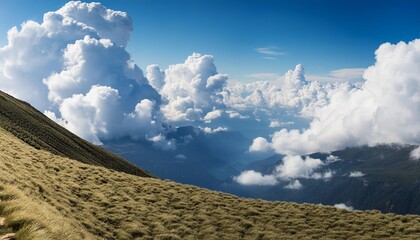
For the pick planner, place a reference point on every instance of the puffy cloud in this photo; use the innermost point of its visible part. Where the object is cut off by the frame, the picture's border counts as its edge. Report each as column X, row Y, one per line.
column 298, row 167
column 74, row 67
column 274, row 124
column 234, row 114
column 99, row 115
column 212, row 115
column 356, row 174
column 343, row 206
column 213, row 130
column 155, row 76
column 291, row 169
column 332, row 158
column 192, row 89
column 415, row 154
column 252, row 177
column 383, row 110
column 260, row 144
column 292, row 91
column 295, row 185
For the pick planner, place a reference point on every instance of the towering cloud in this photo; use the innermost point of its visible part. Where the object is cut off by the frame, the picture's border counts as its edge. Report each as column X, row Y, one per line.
column 384, row 110
column 74, row 66
column 191, row 89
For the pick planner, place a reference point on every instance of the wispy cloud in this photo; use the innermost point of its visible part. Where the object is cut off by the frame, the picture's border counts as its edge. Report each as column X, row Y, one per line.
column 271, row 52
column 351, row 75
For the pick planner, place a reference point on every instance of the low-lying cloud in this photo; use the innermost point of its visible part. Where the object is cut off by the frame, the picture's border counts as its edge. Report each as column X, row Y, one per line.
column 290, row 170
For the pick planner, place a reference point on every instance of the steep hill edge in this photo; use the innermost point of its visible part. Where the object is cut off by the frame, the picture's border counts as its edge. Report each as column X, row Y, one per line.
column 45, row 196
column 37, row 130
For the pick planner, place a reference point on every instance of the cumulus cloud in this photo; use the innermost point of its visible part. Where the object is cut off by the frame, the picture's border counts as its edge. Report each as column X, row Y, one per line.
column 212, row 115
column 155, row 76
column 260, row 144
column 343, row 206
column 209, row 130
column 252, row 177
column 290, row 170
column 295, row 185
column 356, row 174
column 383, row 110
column 74, row 67
column 292, row 91
column 192, row 89
column 415, row 154
column 297, row 167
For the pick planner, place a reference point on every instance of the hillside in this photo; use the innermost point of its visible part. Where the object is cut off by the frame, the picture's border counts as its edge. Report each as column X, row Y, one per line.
column 37, row 130
column 46, row 196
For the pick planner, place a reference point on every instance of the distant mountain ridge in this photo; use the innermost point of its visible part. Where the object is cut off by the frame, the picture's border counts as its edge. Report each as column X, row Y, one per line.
column 37, row 130
column 388, row 180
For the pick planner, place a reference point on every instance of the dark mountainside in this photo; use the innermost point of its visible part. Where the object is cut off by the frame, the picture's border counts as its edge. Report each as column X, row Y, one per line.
column 37, row 130
column 391, row 182
column 201, row 159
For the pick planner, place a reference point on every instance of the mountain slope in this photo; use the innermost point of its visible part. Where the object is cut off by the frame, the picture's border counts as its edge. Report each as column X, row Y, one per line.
column 45, row 196
column 37, row 130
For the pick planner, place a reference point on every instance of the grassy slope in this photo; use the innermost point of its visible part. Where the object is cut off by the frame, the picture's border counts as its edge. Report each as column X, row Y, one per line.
column 45, row 196
column 34, row 128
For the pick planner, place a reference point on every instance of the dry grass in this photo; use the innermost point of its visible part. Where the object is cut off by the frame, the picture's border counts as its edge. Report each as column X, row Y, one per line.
column 58, row 198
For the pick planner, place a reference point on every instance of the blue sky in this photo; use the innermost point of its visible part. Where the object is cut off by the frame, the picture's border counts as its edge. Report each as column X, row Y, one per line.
column 322, row 35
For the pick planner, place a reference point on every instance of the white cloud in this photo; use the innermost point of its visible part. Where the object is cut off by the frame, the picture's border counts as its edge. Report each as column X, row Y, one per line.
column 212, row 115
column 209, row 130
column 274, row 124
column 252, row 177
column 297, row 167
column 192, row 89
column 356, row 174
column 74, row 67
column 234, row 114
column 415, row 154
column 291, row 169
column 343, row 206
column 260, row 145
column 155, row 76
column 384, row 110
column 295, row 185
column 270, row 52
column 332, row 158
column 292, row 91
